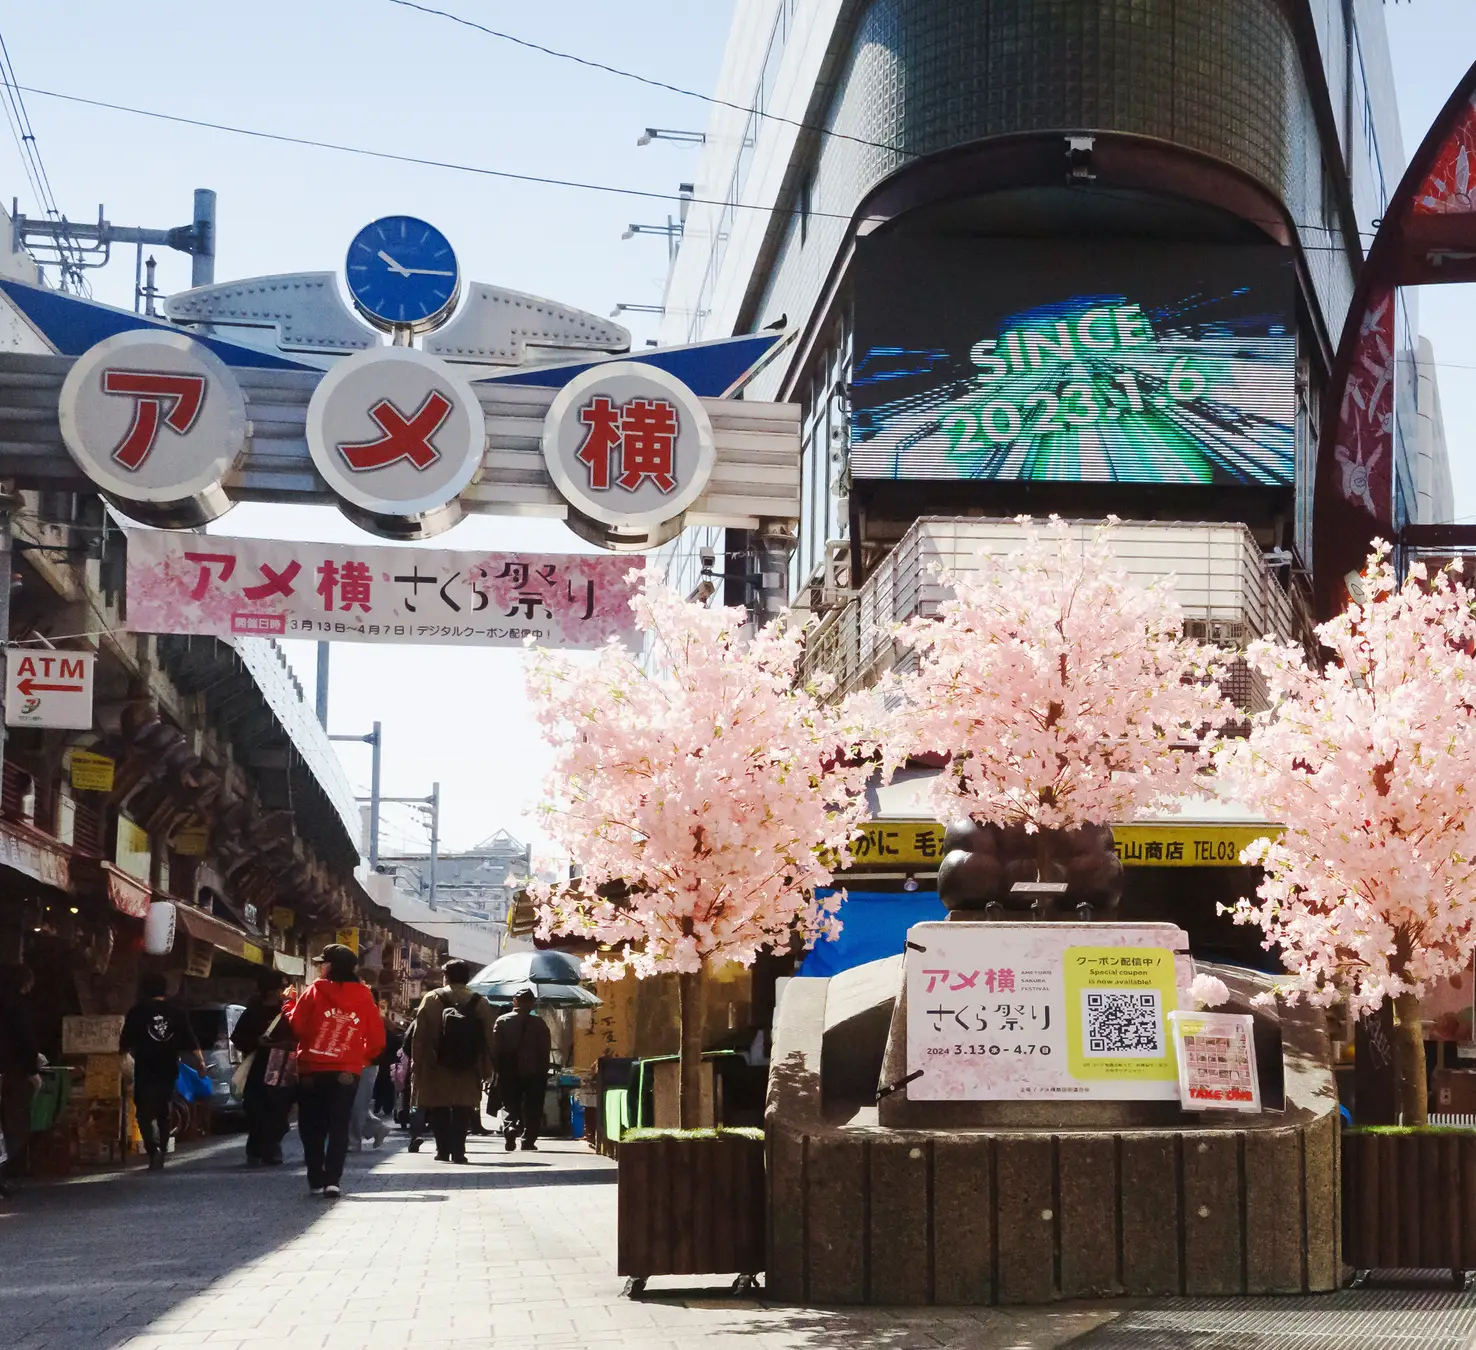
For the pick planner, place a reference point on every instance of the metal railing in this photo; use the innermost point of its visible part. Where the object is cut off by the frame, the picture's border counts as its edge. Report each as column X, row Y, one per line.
column 1227, row 593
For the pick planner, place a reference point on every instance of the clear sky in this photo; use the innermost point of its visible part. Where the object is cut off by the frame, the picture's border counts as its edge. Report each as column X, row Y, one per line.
column 369, row 73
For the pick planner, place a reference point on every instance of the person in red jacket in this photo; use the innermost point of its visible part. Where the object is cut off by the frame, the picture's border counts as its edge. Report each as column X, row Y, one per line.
column 339, row 1032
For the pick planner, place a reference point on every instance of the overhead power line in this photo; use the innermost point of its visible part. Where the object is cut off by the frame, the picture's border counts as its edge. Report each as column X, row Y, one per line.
column 608, row 189
column 34, row 166
column 648, row 81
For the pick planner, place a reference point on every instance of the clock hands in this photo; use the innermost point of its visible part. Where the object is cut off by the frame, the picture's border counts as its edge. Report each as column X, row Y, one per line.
column 404, row 271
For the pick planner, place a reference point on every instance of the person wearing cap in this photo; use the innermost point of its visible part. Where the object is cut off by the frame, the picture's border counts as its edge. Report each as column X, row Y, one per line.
column 339, row 1033
column 522, row 1048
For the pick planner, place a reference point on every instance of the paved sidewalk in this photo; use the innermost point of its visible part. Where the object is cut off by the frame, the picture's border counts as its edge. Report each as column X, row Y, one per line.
column 516, row 1250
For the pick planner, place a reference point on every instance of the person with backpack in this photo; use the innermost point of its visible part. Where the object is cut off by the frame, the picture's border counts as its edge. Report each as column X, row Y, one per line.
column 268, row 1073
column 451, row 1057
column 522, row 1048
column 157, row 1034
column 339, row 1033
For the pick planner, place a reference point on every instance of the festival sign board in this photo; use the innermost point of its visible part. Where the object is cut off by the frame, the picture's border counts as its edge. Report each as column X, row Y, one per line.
column 350, row 593
column 1217, row 1061
column 628, row 445
column 157, row 422
column 397, row 435
column 1040, row 1011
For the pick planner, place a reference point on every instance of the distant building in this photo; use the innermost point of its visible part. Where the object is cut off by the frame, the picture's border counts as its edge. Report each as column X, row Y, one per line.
column 473, row 891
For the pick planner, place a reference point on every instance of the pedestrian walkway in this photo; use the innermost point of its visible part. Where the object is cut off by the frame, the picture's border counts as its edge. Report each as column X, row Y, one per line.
column 517, row 1250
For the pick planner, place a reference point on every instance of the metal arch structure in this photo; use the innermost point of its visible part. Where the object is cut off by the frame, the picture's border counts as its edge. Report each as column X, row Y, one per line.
column 1427, row 237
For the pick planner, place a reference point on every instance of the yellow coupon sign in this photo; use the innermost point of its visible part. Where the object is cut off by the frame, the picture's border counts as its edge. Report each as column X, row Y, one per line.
column 91, row 772
column 1117, row 1005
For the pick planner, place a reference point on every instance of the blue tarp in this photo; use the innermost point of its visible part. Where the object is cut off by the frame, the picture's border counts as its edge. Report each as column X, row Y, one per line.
column 874, row 925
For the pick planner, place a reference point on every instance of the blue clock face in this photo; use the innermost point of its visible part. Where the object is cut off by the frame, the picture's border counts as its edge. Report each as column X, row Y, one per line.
column 402, row 273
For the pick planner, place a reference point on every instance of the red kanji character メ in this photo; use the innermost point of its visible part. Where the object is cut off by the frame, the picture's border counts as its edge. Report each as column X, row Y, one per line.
column 648, row 429
column 275, row 583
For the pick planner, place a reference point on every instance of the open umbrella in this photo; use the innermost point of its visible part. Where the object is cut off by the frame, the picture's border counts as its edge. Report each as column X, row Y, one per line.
column 555, row 975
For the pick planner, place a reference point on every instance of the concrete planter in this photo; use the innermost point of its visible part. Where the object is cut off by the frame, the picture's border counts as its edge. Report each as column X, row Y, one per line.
column 691, row 1205
column 1409, row 1200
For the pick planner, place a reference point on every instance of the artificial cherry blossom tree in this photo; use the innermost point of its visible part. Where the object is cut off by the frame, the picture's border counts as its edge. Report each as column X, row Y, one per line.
column 705, row 795
column 1371, row 765
column 1063, row 692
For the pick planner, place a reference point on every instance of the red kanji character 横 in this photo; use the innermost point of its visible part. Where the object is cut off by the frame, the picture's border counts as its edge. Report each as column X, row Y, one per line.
column 275, row 583
column 353, row 586
column 603, row 419
column 327, row 582
column 225, row 561
column 648, row 428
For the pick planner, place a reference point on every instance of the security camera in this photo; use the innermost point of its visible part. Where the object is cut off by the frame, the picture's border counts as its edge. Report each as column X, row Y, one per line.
column 708, row 558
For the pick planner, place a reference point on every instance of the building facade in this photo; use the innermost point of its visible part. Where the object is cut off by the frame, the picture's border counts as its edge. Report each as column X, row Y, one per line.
column 925, row 191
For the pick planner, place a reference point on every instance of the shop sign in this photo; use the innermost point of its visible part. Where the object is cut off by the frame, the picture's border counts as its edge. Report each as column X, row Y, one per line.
column 134, row 853
column 281, row 917
column 1217, row 1061
column 48, row 866
column 92, row 772
column 1186, row 845
column 898, row 843
column 199, row 959
column 194, row 584
column 348, row 937
column 92, row 1035
column 191, row 839
column 395, row 432
column 1028, row 1012
column 48, row 688
column 628, row 445
column 156, row 421
column 104, row 1076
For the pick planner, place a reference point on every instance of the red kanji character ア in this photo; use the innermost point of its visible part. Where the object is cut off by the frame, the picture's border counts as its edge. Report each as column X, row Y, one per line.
column 648, row 428
column 353, row 586
column 276, row 583
column 152, row 389
column 224, row 561
column 327, row 581
column 602, row 418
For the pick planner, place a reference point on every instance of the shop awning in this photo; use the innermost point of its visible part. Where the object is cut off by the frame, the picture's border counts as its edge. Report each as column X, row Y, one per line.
column 222, row 936
column 35, row 856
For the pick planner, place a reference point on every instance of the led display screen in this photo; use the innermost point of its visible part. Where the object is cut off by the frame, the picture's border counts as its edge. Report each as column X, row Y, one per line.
column 1073, row 362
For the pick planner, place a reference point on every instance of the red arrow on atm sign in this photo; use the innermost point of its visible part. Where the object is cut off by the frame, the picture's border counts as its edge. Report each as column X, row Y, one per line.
column 28, row 687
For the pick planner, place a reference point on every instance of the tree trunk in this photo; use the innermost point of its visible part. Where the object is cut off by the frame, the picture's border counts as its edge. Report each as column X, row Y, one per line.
column 691, row 989
column 1409, row 1060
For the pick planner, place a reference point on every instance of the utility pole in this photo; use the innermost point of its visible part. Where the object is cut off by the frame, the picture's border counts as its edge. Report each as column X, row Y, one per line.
column 322, row 689
column 375, row 739
column 435, row 806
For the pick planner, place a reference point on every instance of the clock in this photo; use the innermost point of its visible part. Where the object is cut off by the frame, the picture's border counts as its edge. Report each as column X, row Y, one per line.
column 402, row 274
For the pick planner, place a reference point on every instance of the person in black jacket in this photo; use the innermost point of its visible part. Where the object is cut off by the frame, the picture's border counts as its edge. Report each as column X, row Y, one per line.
column 522, row 1049
column 157, row 1033
column 20, row 1068
column 262, row 1028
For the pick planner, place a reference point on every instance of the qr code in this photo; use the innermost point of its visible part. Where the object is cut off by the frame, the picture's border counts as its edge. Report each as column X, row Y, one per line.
column 1122, row 1023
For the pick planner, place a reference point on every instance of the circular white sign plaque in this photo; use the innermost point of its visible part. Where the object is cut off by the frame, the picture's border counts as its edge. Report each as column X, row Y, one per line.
column 398, row 436
column 628, row 445
column 157, row 422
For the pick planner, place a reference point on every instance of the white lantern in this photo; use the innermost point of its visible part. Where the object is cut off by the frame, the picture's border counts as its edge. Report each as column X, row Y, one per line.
column 159, row 928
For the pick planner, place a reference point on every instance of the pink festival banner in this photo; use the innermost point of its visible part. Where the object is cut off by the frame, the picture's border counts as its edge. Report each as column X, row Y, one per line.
column 210, row 584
